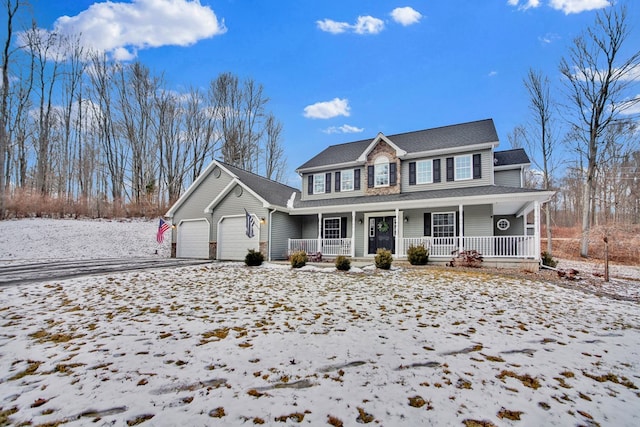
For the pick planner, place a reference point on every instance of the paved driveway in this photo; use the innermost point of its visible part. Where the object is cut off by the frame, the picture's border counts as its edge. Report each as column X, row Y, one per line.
column 19, row 274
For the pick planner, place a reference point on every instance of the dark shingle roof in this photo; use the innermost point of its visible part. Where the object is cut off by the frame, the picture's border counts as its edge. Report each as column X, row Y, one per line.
column 453, row 136
column 486, row 190
column 516, row 156
column 272, row 191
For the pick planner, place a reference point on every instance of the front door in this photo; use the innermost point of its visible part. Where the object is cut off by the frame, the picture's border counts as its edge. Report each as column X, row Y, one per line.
column 381, row 233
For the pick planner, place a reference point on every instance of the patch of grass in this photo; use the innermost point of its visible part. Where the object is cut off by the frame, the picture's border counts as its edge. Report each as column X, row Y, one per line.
column 217, row 413
column 363, row 417
column 297, row 417
column 612, row 378
column 43, row 336
column 510, row 415
column 30, row 370
column 139, row 419
column 5, row 414
column 478, row 423
column 492, row 358
column 255, row 393
column 334, row 421
column 526, row 379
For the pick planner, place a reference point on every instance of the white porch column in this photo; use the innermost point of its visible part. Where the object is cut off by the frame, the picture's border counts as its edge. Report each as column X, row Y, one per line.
column 395, row 232
column 460, row 228
column 319, row 232
column 353, row 234
column 536, row 229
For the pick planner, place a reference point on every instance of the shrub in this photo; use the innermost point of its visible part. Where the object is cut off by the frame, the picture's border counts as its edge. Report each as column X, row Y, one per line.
column 417, row 255
column 343, row 263
column 470, row 258
column 383, row 259
column 548, row 260
column 253, row 258
column 298, row 259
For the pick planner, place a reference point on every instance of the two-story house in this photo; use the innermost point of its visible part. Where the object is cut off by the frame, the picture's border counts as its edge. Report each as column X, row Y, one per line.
column 445, row 188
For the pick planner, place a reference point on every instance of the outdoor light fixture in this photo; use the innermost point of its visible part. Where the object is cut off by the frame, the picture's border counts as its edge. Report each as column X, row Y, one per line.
column 406, row 219
column 262, row 220
column 360, row 221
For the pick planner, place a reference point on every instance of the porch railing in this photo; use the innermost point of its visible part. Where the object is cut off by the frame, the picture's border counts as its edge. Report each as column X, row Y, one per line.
column 328, row 247
column 439, row 247
column 488, row 246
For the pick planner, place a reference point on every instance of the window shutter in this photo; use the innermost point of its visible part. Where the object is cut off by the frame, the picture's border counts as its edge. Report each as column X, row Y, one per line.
column 310, row 186
column 436, row 170
column 392, row 173
column 477, row 167
column 356, row 179
column 427, row 223
column 457, row 227
column 412, row 173
column 343, row 227
column 338, row 182
column 370, row 172
column 327, row 184
column 450, row 169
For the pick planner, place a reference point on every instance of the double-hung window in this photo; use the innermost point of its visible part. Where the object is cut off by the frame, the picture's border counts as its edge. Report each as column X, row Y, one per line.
column 443, row 224
column 462, row 169
column 318, row 183
column 346, row 180
column 381, row 172
column 424, row 172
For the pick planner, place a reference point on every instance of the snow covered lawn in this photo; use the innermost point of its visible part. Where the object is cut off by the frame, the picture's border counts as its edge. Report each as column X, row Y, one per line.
column 226, row 344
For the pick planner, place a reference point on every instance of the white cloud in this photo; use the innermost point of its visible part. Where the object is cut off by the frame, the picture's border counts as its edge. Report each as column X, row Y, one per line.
column 368, row 25
column 631, row 107
column 406, row 16
column 328, row 109
column 333, row 27
column 363, row 25
column 577, row 6
column 548, row 38
column 526, row 4
column 124, row 28
column 343, row 129
column 493, row 73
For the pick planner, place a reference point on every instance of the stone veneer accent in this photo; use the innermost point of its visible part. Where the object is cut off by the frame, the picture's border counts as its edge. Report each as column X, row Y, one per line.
column 213, row 250
column 382, row 149
column 264, row 248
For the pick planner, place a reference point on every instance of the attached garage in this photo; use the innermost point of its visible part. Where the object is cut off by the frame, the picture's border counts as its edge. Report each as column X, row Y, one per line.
column 233, row 242
column 193, row 239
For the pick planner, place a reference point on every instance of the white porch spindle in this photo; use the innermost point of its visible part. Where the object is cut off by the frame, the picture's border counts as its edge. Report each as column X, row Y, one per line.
column 460, row 229
column 536, row 228
column 319, row 232
column 353, row 234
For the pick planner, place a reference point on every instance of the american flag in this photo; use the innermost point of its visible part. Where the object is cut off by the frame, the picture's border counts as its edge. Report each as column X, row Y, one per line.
column 250, row 222
column 164, row 226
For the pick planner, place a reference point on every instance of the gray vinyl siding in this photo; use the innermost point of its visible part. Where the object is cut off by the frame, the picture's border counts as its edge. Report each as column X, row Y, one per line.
column 508, row 178
column 333, row 194
column 414, row 227
column 486, row 160
column 283, row 228
column 477, row 220
column 360, row 230
column 193, row 207
column 232, row 205
column 310, row 227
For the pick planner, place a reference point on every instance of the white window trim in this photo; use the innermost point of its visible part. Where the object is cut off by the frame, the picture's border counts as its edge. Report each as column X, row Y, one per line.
column 343, row 181
column 430, row 175
column 324, row 226
column 317, row 178
column 381, row 161
column 455, row 225
column 455, row 167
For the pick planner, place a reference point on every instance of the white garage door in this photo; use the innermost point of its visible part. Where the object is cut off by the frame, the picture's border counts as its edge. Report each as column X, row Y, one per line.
column 233, row 242
column 193, row 239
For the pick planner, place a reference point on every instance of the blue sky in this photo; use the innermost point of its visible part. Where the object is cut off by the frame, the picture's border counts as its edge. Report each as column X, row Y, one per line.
column 343, row 70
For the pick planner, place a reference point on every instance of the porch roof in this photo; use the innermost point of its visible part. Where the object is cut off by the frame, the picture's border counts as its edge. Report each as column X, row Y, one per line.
column 486, row 194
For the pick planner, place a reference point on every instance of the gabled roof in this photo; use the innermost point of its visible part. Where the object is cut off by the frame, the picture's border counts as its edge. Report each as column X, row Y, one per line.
column 270, row 193
column 273, row 192
column 517, row 156
column 442, row 138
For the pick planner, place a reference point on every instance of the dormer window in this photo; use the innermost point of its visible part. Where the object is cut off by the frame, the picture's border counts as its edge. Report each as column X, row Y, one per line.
column 381, row 172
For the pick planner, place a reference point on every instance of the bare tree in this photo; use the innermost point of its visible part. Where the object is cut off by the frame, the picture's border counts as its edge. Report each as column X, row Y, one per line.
column 540, row 137
column 274, row 158
column 598, row 82
column 11, row 7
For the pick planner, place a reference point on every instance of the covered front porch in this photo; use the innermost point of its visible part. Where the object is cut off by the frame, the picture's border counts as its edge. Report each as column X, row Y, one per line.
column 497, row 231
